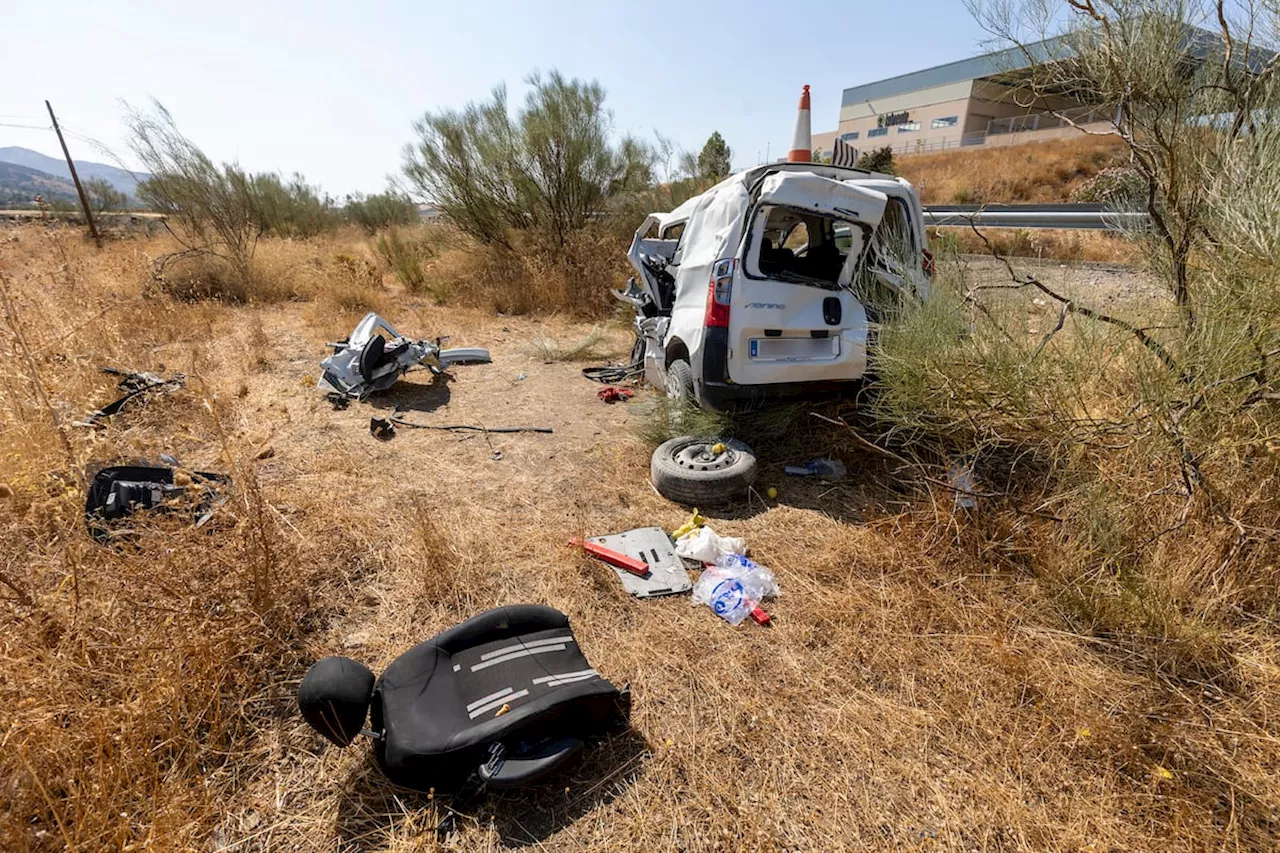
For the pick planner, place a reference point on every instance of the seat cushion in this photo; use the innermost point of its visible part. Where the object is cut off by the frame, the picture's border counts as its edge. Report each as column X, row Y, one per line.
column 514, row 674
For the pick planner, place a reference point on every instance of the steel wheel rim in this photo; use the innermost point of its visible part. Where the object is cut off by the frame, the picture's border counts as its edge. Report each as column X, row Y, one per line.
column 699, row 457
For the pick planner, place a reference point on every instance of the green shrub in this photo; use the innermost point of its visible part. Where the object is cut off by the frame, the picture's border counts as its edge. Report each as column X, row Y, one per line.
column 1118, row 187
column 380, row 210
column 878, row 160
column 103, row 197
column 549, row 168
column 219, row 210
column 292, row 209
column 405, row 254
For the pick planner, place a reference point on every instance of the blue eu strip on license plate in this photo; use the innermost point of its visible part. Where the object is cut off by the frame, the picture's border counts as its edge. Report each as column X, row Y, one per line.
column 755, row 348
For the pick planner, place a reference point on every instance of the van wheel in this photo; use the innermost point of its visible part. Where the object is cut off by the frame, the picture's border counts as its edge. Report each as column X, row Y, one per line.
column 680, row 384
column 680, row 394
column 702, row 471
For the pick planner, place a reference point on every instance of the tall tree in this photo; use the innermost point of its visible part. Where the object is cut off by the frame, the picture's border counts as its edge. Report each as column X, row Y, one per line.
column 713, row 162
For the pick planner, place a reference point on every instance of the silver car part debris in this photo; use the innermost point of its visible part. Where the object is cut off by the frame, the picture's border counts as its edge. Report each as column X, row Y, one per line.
column 375, row 356
column 653, row 546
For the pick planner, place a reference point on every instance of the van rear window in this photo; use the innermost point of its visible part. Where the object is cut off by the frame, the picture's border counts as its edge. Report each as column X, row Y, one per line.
column 800, row 246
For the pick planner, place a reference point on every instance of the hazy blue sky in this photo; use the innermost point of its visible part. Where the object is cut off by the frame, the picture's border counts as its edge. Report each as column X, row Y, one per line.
column 330, row 88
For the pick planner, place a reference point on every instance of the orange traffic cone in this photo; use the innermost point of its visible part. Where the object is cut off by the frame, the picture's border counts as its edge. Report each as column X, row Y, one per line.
column 802, row 142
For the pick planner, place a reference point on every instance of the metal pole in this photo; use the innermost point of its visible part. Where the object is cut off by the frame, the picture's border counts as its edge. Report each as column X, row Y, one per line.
column 84, row 200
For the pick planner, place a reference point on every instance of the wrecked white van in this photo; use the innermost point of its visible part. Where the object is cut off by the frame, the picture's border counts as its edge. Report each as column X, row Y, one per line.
column 773, row 282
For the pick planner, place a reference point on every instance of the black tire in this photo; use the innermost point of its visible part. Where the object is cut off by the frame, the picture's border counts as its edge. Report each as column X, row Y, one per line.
column 680, row 383
column 680, row 393
column 686, row 471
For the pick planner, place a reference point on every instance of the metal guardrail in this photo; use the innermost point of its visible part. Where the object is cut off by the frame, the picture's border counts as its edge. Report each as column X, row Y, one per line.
column 1095, row 217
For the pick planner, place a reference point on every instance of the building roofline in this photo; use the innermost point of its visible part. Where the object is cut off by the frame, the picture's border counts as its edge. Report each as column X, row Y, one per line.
column 1199, row 43
column 972, row 68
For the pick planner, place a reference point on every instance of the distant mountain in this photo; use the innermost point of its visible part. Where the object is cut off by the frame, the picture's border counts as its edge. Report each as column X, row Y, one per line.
column 19, row 185
column 121, row 179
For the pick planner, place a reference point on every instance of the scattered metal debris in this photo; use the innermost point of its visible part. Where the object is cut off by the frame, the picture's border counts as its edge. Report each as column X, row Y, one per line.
column 375, row 356
column 398, row 418
column 823, row 469
column 382, row 429
column 960, row 474
column 649, row 566
column 135, row 385
column 119, row 491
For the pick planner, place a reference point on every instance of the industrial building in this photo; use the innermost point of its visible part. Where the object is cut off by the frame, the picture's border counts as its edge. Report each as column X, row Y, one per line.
column 976, row 101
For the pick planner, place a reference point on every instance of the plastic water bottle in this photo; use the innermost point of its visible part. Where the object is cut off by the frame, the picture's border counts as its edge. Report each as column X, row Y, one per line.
column 733, row 587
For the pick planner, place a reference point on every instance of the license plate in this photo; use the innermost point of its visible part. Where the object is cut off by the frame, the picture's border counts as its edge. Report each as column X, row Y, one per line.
column 795, row 349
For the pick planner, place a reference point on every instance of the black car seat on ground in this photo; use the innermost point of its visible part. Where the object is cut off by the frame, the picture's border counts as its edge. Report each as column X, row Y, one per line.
column 506, row 695
column 119, row 491
column 375, row 354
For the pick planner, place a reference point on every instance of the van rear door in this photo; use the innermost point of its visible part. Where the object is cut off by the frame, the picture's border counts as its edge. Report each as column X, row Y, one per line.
column 792, row 317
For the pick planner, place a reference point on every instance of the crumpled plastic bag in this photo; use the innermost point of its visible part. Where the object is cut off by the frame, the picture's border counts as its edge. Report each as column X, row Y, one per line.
column 705, row 545
column 734, row 587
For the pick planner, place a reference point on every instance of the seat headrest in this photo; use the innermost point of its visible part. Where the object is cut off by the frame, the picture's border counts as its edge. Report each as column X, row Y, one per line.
column 334, row 697
column 371, row 356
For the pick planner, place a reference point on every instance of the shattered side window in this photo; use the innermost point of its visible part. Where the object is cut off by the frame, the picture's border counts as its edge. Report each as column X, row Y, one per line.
column 674, row 232
column 878, row 284
column 891, row 246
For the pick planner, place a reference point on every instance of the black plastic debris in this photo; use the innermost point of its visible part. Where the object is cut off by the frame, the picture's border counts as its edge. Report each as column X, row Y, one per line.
column 135, row 386
column 118, row 492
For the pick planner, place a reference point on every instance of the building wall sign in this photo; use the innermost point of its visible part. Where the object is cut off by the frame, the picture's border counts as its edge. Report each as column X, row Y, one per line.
column 890, row 119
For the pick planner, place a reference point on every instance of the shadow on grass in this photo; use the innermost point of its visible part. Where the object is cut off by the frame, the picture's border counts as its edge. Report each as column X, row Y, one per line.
column 415, row 394
column 372, row 810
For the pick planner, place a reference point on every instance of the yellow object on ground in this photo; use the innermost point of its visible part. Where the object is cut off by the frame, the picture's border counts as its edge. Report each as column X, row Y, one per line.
column 695, row 521
column 771, row 492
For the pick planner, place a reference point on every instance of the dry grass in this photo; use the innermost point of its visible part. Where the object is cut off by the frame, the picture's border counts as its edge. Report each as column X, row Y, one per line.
column 927, row 684
column 594, row 346
column 1040, row 243
column 531, row 278
column 1041, row 172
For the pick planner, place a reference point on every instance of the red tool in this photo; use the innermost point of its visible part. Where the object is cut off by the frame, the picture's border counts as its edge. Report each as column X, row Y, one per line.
column 613, row 558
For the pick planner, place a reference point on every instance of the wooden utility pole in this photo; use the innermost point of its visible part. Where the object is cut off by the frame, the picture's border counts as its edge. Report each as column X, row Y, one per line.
column 84, row 199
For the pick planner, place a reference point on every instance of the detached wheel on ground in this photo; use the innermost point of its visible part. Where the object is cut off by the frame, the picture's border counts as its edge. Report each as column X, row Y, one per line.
column 702, row 471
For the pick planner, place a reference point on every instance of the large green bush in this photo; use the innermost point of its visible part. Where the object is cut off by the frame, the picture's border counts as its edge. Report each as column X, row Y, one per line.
column 551, row 167
column 375, row 212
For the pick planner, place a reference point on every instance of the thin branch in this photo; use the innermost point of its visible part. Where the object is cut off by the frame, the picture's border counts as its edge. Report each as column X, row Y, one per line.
column 1072, row 306
column 1057, row 327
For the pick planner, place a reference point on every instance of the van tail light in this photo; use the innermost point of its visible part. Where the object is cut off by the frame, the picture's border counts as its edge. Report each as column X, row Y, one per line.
column 926, row 262
column 719, row 290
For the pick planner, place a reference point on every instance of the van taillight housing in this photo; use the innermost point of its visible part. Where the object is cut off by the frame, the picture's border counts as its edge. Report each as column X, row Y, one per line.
column 926, row 262
column 719, row 290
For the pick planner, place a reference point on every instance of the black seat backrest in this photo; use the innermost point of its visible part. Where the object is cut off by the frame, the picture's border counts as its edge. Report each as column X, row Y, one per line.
column 513, row 674
column 371, row 357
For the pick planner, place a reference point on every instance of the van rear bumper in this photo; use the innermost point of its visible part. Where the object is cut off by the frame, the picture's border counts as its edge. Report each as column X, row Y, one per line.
column 717, row 393
column 727, row 397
